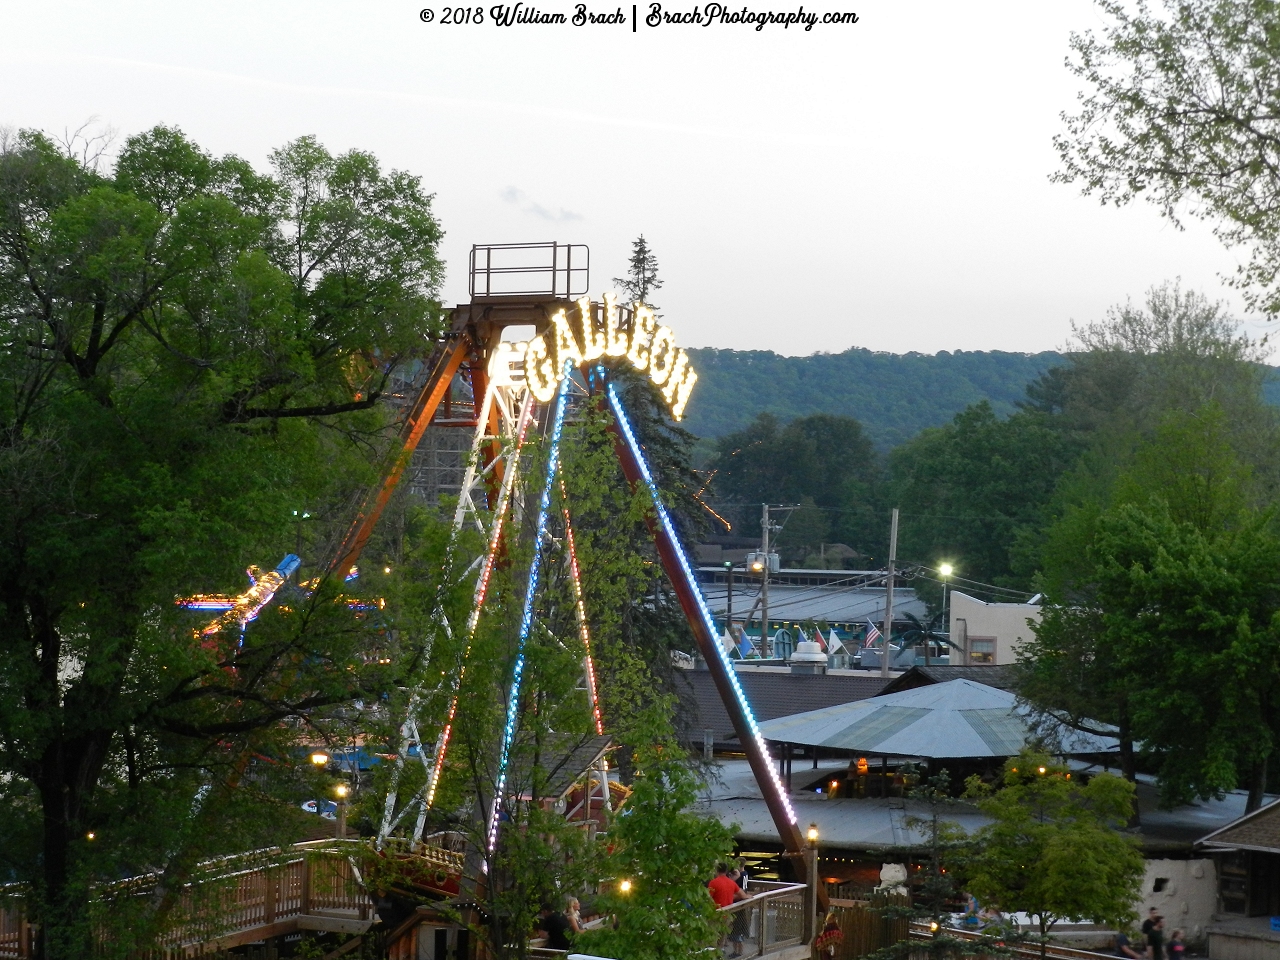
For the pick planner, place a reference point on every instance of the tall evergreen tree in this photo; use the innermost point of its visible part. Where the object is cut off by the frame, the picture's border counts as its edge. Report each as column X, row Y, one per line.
column 642, row 274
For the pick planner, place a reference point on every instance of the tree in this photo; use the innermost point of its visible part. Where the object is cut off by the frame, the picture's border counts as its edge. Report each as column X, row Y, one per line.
column 966, row 490
column 642, row 274
column 937, row 883
column 1053, row 849
column 825, row 458
column 1194, row 619
column 1163, row 602
column 1182, row 108
column 1175, row 353
column 667, row 853
column 193, row 352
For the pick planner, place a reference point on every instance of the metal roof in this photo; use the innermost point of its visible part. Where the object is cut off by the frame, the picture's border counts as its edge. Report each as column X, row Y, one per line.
column 959, row 718
column 771, row 695
column 831, row 602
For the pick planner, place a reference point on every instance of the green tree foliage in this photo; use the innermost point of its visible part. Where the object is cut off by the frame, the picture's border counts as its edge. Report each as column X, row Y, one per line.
column 1180, row 108
column 1176, row 353
column 1193, row 618
column 1164, row 596
column 636, row 620
column 1053, row 849
column 642, row 274
column 937, row 881
column 969, row 489
column 194, row 351
column 822, row 462
column 894, row 396
column 668, row 852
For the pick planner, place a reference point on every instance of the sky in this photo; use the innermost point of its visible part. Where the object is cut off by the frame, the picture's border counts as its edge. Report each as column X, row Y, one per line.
column 882, row 184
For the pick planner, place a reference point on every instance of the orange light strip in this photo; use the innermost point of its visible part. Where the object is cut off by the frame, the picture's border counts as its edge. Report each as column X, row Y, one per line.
column 583, row 631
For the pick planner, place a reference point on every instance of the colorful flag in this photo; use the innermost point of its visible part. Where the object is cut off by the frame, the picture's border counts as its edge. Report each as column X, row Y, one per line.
column 873, row 634
column 744, row 644
column 817, row 638
column 834, row 643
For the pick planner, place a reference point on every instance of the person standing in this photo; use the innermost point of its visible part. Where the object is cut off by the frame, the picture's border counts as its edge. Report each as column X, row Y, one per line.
column 1155, row 940
column 1147, row 924
column 724, row 891
column 1176, row 948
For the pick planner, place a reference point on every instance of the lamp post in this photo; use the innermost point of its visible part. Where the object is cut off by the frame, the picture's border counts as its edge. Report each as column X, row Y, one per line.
column 811, row 893
column 765, row 646
column 945, row 570
column 760, row 565
column 341, row 790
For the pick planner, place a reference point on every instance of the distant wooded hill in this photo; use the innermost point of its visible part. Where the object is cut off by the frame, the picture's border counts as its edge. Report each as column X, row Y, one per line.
column 894, row 395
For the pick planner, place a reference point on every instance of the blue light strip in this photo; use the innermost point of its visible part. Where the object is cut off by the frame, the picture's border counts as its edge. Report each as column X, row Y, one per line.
column 664, row 518
column 526, row 619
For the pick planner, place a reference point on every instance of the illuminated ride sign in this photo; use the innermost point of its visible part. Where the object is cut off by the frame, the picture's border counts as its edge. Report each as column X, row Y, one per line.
column 597, row 330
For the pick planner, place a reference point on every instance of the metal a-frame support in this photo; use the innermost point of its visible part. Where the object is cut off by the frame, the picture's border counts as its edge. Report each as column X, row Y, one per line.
column 503, row 413
column 680, row 573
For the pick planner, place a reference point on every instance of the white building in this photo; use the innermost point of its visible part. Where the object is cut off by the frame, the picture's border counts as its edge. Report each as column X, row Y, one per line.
column 989, row 633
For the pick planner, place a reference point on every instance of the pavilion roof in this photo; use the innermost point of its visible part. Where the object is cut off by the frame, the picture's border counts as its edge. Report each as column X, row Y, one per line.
column 959, row 718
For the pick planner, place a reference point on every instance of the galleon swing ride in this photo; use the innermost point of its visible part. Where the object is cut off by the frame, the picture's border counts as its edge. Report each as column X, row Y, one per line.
column 515, row 387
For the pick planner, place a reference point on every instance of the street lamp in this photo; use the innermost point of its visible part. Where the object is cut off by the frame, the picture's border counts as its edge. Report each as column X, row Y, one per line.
column 624, row 886
column 811, row 882
column 319, row 758
column 945, row 570
column 341, row 790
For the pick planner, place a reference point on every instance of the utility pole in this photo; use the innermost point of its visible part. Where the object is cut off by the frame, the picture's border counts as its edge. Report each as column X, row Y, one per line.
column 888, row 595
column 728, row 612
column 765, row 643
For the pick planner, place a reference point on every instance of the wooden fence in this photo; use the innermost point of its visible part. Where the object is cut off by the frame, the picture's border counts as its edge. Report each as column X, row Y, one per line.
column 865, row 927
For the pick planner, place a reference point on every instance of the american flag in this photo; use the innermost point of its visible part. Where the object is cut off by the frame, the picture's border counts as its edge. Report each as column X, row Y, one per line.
column 873, row 634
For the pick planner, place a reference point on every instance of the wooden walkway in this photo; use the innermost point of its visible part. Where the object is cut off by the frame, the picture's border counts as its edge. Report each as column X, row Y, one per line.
column 246, row 898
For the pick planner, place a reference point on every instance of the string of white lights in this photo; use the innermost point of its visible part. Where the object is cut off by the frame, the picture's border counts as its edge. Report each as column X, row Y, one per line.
column 624, row 424
column 526, row 618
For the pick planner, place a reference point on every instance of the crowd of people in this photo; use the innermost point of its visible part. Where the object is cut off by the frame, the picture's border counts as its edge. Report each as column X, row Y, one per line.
column 1153, row 944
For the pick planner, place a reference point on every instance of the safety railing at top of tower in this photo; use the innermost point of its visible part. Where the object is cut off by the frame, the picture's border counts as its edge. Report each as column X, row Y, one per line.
column 529, row 270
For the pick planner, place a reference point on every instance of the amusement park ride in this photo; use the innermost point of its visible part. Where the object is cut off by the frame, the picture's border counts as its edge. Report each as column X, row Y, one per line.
column 517, row 388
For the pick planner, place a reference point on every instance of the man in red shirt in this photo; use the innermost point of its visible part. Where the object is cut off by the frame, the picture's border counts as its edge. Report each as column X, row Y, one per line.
column 724, row 892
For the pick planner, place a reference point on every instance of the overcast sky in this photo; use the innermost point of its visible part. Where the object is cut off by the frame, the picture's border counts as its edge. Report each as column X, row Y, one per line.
column 882, row 185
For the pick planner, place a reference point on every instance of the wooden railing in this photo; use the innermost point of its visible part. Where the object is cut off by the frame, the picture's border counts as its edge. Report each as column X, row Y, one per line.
column 17, row 937
column 1025, row 951
column 773, row 917
column 243, row 898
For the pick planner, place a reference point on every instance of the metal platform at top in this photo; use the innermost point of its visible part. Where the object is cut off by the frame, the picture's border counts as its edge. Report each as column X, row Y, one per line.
column 528, row 272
